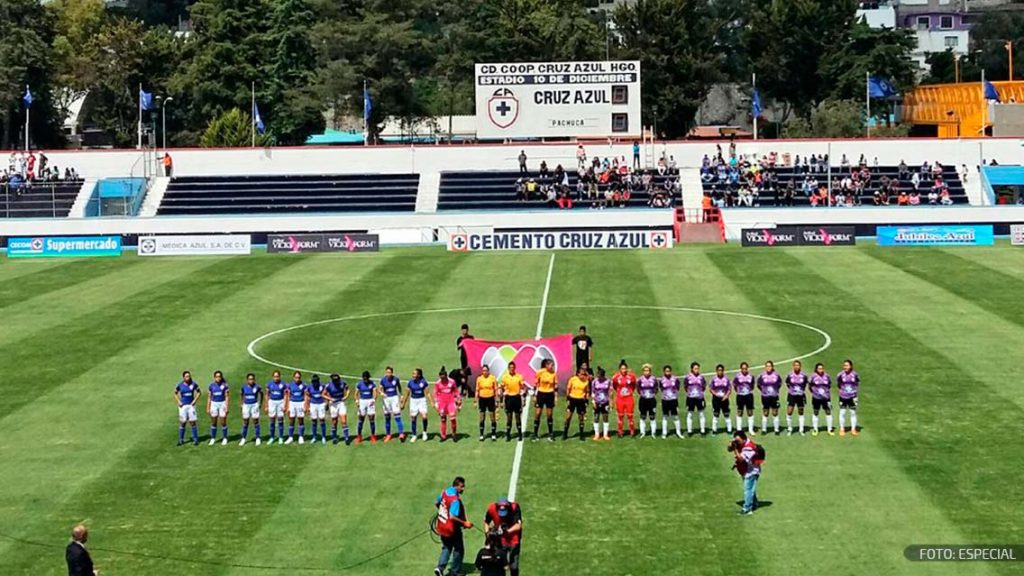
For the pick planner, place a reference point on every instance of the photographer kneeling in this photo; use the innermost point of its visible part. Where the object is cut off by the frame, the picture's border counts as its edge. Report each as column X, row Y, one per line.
column 504, row 521
column 749, row 458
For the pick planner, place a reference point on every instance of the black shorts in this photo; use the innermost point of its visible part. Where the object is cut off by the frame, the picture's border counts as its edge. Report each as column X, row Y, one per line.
column 770, row 402
column 670, row 407
column 577, row 405
column 648, row 407
column 848, row 402
column 821, row 403
column 487, row 404
column 794, row 400
column 719, row 405
column 545, row 399
column 745, row 402
column 694, row 404
column 601, row 409
column 513, row 404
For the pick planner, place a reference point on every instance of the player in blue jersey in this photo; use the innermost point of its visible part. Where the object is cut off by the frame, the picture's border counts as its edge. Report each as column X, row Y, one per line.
column 252, row 396
column 391, row 391
column 337, row 393
column 366, row 391
column 317, row 408
column 296, row 405
column 417, row 396
column 186, row 394
column 217, row 408
column 276, row 391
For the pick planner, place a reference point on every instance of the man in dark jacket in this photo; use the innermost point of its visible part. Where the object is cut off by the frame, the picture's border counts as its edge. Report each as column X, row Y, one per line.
column 77, row 555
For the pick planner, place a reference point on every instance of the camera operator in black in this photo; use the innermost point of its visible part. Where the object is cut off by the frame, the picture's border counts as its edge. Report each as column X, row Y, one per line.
column 505, row 519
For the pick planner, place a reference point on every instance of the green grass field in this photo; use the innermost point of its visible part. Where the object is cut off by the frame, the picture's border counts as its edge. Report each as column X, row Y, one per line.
column 92, row 349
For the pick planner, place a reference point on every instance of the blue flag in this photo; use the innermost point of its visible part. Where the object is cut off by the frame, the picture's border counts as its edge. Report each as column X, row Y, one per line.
column 756, row 104
column 258, row 119
column 880, row 88
column 990, row 92
column 27, row 98
column 367, row 104
column 145, row 99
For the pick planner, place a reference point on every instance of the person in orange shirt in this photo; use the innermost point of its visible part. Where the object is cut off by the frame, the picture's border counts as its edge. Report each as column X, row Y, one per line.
column 168, row 165
column 547, row 395
column 486, row 400
column 577, row 391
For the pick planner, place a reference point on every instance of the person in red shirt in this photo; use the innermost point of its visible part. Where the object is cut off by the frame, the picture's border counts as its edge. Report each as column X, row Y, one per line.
column 505, row 517
column 451, row 519
column 624, row 383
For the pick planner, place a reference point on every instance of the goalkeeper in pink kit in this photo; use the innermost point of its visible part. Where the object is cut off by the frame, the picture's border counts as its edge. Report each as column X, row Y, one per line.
column 448, row 401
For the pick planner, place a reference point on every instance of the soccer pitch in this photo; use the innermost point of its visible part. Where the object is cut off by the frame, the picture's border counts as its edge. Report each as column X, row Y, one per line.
column 93, row 348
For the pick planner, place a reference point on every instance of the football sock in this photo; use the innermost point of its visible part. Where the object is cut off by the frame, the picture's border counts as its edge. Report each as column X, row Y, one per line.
column 702, row 423
column 828, row 421
column 414, row 419
column 750, row 423
column 814, row 421
column 728, row 424
column 605, row 428
column 424, row 424
column 481, row 427
column 551, row 425
column 643, row 427
column 387, row 424
column 213, row 432
column 679, row 430
column 596, row 427
column 280, row 428
column 344, row 431
column 245, row 430
column 739, row 422
column 801, row 419
column 536, row 425
column 494, row 427
column 632, row 428
column 359, row 428
column 401, row 427
column 764, row 423
column 620, row 424
column 373, row 428
column 455, row 427
column 257, row 428
column 775, row 422
column 195, row 433
column 181, row 434
column 334, row 432
column 302, row 430
column 689, row 422
column 224, row 432
column 714, row 424
column 842, row 418
column 789, row 422
column 853, row 420
column 323, row 429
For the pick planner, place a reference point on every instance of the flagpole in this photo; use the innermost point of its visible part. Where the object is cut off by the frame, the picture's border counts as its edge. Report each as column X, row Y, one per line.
column 252, row 112
column 867, row 101
column 366, row 125
column 28, row 119
column 753, row 82
column 984, row 104
column 139, row 96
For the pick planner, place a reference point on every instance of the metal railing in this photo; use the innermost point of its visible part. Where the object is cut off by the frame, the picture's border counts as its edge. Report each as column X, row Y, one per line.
column 14, row 199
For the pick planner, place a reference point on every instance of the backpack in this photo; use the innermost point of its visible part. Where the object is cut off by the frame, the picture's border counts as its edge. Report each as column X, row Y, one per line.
column 759, row 452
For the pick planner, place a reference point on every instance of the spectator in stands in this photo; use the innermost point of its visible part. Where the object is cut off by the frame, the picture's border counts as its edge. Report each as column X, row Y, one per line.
column 903, row 199
column 559, row 175
column 662, row 166
column 840, row 198
column 963, row 173
column 168, row 165
column 874, row 163
column 659, row 199
column 581, row 189
column 904, row 170
column 544, row 172
column 531, row 189
column 636, row 155
column 877, row 197
column 564, row 198
column 673, row 167
column 915, row 180
column 522, row 162
column 944, row 198
column 933, row 197
column 915, row 199
column 844, row 163
column 581, row 156
column 550, row 195
column 925, row 169
column 520, row 190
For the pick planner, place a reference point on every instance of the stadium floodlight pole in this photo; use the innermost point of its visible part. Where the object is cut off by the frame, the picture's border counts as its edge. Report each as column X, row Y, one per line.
column 139, row 146
column 163, row 122
column 252, row 110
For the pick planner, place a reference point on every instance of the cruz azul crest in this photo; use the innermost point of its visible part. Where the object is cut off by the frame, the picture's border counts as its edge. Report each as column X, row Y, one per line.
column 503, row 108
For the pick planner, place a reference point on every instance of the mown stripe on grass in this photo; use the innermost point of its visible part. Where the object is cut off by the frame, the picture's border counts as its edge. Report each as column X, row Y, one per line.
column 143, row 504
column 931, row 440
column 979, row 285
column 361, row 524
column 21, row 288
column 57, row 308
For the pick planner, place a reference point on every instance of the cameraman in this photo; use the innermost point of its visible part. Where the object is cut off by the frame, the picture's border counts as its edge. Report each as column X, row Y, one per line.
column 748, row 465
column 506, row 519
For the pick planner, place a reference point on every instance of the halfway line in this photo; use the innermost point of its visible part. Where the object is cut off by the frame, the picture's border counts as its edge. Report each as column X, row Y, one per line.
column 517, row 461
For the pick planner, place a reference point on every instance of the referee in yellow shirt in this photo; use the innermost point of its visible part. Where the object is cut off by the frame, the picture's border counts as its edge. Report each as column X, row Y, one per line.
column 511, row 393
column 578, row 392
column 547, row 395
column 486, row 400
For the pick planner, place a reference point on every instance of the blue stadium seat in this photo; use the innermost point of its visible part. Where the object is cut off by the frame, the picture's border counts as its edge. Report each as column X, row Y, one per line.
column 292, row 193
column 41, row 200
column 495, row 190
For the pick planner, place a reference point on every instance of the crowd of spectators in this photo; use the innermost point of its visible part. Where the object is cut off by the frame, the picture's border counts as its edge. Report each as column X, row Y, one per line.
column 742, row 180
column 600, row 183
column 24, row 169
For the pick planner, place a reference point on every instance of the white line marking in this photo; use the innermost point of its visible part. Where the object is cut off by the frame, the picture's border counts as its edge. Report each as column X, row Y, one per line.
column 251, row 348
column 517, row 460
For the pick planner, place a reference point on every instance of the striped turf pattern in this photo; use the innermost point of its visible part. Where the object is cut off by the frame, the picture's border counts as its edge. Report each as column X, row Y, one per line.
column 92, row 349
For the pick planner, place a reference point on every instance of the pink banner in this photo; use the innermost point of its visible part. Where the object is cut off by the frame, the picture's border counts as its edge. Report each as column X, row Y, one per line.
column 527, row 354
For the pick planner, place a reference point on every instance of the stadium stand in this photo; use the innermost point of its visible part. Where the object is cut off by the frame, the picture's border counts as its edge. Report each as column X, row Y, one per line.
column 194, row 195
column 510, row 190
column 40, row 199
column 766, row 182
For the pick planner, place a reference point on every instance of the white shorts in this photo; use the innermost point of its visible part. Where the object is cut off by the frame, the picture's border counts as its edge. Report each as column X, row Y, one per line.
column 392, row 405
column 218, row 409
column 367, row 407
column 250, row 411
column 417, row 406
column 296, row 410
column 186, row 413
column 275, row 408
column 317, row 411
column 338, row 409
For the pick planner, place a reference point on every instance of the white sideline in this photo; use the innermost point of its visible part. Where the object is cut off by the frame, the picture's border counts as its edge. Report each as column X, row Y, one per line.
column 517, row 461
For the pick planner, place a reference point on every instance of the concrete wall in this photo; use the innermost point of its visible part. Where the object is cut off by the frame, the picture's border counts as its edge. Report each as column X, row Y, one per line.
column 1007, row 119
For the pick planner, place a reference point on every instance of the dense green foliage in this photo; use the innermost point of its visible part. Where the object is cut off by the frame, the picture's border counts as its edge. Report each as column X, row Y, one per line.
column 310, row 59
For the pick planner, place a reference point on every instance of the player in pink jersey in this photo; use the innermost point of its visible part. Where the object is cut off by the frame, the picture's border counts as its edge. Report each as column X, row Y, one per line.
column 720, row 390
column 670, row 387
column 647, row 386
column 694, row 384
column 448, row 399
column 601, row 394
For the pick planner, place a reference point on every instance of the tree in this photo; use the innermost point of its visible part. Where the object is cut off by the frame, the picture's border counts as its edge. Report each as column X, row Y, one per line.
column 942, row 68
column 77, row 24
column 786, row 42
column 296, row 111
column 880, row 52
column 232, row 129
column 26, row 37
column 830, row 119
column 988, row 44
column 675, row 41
